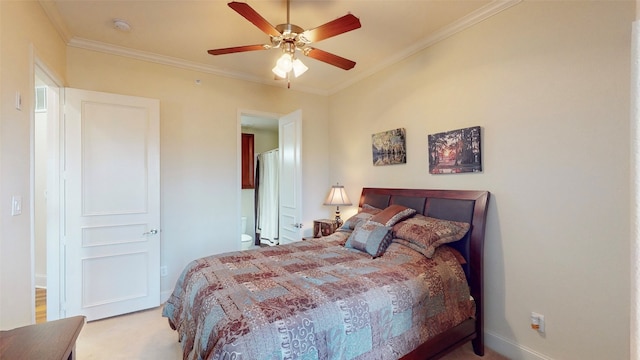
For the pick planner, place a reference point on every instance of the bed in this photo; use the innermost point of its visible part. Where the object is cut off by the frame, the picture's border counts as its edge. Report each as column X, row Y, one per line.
column 400, row 279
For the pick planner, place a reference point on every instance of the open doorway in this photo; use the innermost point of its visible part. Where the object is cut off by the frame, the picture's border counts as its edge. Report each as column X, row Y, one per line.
column 289, row 200
column 264, row 128
column 40, row 199
column 45, row 182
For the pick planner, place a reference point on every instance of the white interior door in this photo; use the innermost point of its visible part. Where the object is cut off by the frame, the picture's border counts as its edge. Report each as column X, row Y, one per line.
column 290, row 144
column 111, row 203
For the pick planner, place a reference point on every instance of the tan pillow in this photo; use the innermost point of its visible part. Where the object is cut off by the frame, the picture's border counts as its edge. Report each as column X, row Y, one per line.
column 365, row 214
column 392, row 215
column 425, row 234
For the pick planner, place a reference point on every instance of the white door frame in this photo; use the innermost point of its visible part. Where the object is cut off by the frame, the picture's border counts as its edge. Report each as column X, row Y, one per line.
column 54, row 250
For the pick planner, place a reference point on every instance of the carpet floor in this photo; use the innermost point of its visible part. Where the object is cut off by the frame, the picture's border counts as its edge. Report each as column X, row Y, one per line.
column 146, row 335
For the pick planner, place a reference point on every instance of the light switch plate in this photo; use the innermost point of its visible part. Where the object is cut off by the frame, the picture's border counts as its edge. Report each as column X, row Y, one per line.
column 18, row 101
column 16, row 205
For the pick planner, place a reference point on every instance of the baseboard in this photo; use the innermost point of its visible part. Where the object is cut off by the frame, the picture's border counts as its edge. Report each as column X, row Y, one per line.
column 41, row 280
column 164, row 296
column 510, row 349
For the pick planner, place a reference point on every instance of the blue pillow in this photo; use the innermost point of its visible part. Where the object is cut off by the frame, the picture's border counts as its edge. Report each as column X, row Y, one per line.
column 371, row 238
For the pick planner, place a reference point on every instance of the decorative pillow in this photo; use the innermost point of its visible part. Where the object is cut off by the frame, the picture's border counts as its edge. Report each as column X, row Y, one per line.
column 365, row 214
column 426, row 233
column 392, row 215
column 371, row 238
column 422, row 250
column 410, row 245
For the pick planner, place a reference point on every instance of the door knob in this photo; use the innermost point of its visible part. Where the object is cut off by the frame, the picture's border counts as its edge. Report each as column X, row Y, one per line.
column 151, row 232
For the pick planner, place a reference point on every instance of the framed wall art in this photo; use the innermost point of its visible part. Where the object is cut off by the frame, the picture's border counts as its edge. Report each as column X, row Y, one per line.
column 456, row 151
column 389, row 147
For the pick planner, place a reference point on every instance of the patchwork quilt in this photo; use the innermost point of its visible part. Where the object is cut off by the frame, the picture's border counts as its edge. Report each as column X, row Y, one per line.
column 316, row 299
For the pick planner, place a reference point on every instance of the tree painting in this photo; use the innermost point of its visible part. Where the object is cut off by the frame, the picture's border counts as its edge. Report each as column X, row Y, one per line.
column 389, row 147
column 455, row 151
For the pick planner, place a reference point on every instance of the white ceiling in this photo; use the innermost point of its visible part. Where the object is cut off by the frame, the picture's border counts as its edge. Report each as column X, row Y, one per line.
column 179, row 33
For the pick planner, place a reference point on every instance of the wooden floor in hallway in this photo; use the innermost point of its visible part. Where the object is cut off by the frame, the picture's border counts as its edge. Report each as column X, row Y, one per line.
column 41, row 305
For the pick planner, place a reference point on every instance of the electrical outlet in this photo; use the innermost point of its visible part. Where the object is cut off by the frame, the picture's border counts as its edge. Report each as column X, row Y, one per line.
column 537, row 322
column 163, row 271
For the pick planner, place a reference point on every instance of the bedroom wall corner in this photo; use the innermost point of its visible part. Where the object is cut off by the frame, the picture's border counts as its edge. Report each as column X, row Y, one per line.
column 24, row 30
column 549, row 84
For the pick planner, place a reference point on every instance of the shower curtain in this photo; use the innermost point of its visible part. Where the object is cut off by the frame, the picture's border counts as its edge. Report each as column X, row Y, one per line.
column 267, row 197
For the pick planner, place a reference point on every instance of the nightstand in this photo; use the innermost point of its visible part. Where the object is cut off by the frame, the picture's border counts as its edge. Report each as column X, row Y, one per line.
column 324, row 227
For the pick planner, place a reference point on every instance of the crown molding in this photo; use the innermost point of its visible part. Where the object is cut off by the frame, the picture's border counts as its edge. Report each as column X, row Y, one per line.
column 174, row 62
column 473, row 18
column 50, row 9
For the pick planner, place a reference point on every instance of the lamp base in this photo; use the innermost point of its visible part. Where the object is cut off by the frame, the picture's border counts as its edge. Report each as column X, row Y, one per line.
column 339, row 221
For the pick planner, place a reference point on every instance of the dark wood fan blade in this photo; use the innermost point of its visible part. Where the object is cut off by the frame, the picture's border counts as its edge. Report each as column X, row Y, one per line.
column 330, row 58
column 236, row 49
column 256, row 19
column 332, row 28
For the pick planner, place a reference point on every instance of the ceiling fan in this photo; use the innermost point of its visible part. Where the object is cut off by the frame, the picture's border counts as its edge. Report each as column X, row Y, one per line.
column 291, row 38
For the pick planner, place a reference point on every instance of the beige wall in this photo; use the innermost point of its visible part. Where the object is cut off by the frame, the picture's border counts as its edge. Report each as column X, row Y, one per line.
column 24, row 31
column 199, row 134
column 549, row 84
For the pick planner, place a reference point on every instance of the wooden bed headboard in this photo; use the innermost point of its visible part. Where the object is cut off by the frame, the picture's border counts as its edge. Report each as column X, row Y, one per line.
column 458, row 205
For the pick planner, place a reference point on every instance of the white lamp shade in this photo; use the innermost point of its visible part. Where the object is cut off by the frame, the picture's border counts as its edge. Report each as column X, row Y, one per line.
column 285, row 63
column 279, row 73
column 337, row 196
column 299, row 68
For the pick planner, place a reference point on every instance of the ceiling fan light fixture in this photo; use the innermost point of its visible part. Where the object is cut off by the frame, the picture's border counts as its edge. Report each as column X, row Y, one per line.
column 279, row 73
column 285, row 62
column 299, row 68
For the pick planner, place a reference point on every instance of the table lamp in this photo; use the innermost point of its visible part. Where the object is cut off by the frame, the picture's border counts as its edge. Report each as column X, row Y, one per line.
column 337, row 196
